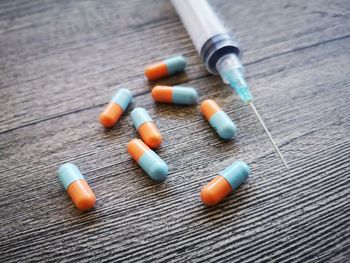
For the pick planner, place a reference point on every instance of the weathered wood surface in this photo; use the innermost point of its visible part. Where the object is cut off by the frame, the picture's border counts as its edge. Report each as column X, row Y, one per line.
column 61, row 61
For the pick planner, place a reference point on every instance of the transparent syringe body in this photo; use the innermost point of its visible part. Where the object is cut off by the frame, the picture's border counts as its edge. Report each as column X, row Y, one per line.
column 199, row 20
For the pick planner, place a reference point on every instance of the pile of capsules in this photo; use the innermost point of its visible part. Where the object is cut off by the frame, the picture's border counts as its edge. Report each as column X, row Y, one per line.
column 140, row 150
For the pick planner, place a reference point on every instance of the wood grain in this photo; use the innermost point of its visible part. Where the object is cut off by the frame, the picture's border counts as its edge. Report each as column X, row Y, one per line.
column 62, row 60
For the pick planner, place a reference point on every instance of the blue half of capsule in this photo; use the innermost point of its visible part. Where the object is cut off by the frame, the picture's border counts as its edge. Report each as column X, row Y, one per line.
column 236, row 174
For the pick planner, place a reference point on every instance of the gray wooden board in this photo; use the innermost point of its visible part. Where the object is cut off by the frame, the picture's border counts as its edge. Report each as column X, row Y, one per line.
column 61, row 61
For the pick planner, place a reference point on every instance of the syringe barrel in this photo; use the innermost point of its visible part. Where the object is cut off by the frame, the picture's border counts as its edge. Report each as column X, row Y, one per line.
column 208, row 34
column 199, row 20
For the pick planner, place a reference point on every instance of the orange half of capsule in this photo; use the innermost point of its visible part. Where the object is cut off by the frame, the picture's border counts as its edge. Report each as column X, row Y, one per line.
column 215, row 191
column 156, row 71
column 136, row 148
column 150, row 134
column 209, row 108
column 163, row 94
column 81, row 195
column 111, row 115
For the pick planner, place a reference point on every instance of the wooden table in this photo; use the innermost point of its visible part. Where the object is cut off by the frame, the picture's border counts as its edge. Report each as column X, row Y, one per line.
column 61, row 61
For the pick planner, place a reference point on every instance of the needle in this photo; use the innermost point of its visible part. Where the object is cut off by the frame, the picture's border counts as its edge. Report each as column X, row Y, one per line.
column 231, row 73
column 269, row 135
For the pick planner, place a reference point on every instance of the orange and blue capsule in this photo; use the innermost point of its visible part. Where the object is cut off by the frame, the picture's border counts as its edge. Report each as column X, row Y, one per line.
column 225, row 183
column 218, row 119
column 146, row 127
column 149, row 161
column 115, row 108
column 77, row 188
column 175, row 95
column 165, row 68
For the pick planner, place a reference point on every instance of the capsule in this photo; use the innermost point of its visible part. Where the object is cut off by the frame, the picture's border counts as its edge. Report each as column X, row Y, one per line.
column 78, row 189
column 218, row 119
column 227, row 181
column 146, row 127
column 115, row 108
column 175, row 95
column 165, row 68
column 149, row 161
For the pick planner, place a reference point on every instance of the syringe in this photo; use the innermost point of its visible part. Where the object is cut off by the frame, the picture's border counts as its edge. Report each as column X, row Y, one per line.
column 218, row 49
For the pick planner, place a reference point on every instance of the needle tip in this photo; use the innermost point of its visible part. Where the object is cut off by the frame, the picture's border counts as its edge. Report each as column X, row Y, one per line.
column 285, row 164
column 269, row 135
